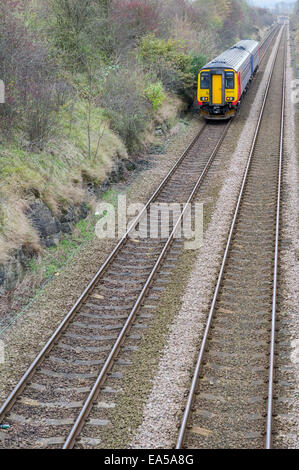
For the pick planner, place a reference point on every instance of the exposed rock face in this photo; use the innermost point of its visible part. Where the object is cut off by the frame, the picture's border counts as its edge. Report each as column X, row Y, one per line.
column 71, row 216
column 50, row 229
column 47, row 225
column 14, row 270
column 130, row 166
column 120, row 168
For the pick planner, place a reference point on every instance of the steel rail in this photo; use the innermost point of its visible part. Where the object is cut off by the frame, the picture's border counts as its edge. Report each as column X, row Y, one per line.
column 82, row 417
column 195, row 379
column 275, row 273
column 268, row 37
column 9, row 402
column 270, row 34
column 78, row 425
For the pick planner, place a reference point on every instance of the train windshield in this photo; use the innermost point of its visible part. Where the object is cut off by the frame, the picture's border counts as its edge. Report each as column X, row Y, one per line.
column 229, row 80
column 204, row 80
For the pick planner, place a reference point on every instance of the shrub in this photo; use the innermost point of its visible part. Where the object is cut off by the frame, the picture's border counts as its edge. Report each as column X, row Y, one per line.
column 29, row 76
column 126, row 107
column 154, row 93
column 197, row 62
column 71, row 19
column 39, row 115
column 168, row 61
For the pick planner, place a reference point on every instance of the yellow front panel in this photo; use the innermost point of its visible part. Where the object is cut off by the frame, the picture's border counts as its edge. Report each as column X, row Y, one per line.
column 232, row 92
column 203, row 92
column 217, row 89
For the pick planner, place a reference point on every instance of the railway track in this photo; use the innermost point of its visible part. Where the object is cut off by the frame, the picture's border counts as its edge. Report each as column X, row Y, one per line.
column 52, row 401
column 50, row 404
column 230, row 402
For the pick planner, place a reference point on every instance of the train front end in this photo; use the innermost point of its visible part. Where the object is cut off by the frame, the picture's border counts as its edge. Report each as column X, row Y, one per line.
column 218, row 93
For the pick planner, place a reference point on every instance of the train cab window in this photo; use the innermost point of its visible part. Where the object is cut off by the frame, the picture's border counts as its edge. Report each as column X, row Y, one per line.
column 229, row 80
column 204, row 80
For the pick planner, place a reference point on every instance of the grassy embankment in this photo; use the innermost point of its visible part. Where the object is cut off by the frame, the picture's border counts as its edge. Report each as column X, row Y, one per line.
column 108, row 90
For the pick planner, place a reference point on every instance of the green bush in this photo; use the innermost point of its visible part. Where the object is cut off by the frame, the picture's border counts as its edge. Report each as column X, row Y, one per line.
column 168, row 61
column 154, row 93
column 197, row 62
column 81, row 31
column 152, row 49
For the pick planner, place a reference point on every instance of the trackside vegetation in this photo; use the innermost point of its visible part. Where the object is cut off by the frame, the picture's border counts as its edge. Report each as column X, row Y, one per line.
column 85, row 82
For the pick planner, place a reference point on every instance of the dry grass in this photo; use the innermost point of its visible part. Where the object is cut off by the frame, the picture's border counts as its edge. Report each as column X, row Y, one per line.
column 171, row 107
column 16, row 230
column 59, row 175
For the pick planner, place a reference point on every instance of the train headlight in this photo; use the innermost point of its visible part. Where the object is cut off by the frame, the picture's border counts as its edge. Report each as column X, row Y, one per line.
column 204, row 98
column 230, row 98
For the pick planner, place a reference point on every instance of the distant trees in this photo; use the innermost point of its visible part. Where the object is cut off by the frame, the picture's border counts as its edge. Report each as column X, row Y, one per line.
column 111, row 28
column 231, row 19
column 30, row 79
column 132, row 19
column 233, row 22
column 295, row 28
column 173, row 38
column 82, row 28
column 296, row 12
column 72, row 18
column 183, row 9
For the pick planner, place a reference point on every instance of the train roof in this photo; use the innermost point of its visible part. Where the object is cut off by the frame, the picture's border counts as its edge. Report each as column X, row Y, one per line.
column 233, row 57
column 248, row 44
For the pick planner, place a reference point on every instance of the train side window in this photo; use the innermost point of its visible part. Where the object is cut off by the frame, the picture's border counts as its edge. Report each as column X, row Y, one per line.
column 204, row 80
column 229, row 80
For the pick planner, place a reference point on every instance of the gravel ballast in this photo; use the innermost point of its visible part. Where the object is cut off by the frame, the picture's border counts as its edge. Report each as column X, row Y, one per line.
column 24, row 339
column 162, row 411
column 286, row 422
column 163, row 407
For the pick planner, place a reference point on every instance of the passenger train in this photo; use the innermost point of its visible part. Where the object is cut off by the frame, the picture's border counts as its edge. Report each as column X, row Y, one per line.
column 223, row 81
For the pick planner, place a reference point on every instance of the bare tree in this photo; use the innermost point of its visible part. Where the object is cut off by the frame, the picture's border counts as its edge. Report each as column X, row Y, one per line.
column 91, row 104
